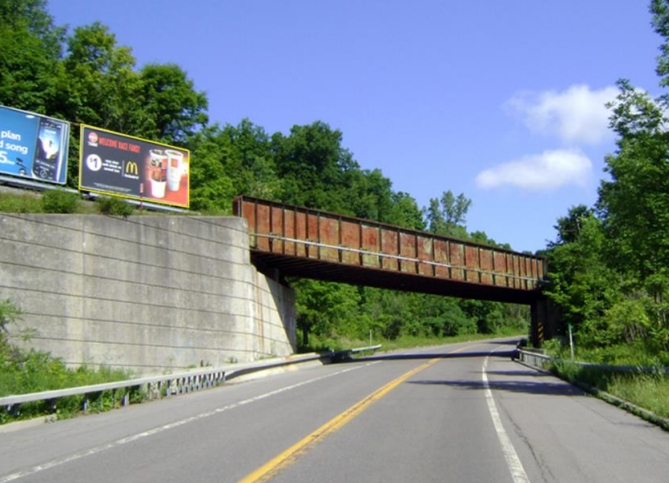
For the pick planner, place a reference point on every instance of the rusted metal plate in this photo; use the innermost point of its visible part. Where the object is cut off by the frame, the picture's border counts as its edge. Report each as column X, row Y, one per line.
column 390, row 246
column 408, row 253
column 321, row 245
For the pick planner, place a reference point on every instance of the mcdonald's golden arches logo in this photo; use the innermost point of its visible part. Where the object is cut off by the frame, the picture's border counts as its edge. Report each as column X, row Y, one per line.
column 131, row 167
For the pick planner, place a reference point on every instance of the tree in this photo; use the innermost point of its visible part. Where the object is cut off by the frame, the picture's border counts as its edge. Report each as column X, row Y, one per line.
column 30, row 51
column 211, row 189
column 172, row 111
column 312, row 164
column 102, row 85
column 660, row 22
column 580, row 281
column 249, row 160
column 447, row 215
column 634, row 204
column 569, row 227
column 323, row 307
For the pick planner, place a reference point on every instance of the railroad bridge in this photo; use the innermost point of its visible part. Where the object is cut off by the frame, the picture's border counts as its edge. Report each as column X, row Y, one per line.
column 288, row 240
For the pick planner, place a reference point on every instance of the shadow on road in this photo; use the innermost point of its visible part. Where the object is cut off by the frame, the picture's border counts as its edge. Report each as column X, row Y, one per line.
column 444, row 355
column 532, row 382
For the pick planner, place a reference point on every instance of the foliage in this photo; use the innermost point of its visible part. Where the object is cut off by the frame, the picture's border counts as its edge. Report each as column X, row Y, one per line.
column 26, row 203
column 60, row 201
column 579, row 280
column 109, row 205
column 8, row 313
column 172, row 110
column 447, row 215
column 30, row 49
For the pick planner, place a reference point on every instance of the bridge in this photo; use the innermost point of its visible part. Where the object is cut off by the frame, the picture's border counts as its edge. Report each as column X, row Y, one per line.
column 287, row 240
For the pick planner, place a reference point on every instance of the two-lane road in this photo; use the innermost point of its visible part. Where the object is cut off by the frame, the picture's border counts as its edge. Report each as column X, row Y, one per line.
column 458, row 413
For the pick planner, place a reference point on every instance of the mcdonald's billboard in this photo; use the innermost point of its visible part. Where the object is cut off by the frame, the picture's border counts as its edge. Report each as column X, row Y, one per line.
column 119, row 165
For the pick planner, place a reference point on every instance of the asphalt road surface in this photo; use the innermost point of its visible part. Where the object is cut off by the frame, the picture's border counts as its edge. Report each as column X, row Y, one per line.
column 456, row 413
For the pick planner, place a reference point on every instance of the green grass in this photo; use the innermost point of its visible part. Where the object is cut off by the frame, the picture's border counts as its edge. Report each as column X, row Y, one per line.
column 27, row 203
column 649, row 391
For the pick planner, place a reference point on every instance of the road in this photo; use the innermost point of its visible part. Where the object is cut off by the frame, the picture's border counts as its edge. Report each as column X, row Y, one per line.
column 456, row 413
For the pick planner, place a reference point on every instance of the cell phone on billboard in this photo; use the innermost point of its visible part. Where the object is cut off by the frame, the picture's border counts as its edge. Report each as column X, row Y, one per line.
column 47, row 152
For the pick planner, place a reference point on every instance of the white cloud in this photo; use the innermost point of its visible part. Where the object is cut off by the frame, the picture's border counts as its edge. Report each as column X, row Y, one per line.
column 577, row 115
column 545, row 171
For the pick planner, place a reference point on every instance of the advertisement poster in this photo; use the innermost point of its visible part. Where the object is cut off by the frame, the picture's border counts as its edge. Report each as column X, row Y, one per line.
column 33, row 146
column 119, row 165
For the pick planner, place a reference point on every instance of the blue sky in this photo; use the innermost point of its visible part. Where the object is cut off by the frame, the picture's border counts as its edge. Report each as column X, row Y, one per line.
column 501, row 101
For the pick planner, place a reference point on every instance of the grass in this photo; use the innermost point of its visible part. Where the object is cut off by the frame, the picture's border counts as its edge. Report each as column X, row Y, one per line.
column 647, row 387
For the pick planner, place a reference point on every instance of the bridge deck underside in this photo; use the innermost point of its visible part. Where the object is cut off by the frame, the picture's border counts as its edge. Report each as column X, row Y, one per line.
column 325, row 246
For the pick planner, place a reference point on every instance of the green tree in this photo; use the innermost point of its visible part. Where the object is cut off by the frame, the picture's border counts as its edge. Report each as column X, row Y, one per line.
column 324, row 308
column 448, row 215
column 634, row 204
column 171, row 110
column 569, row 227
column 102, row 86
column 660, row 22
column 312, row 164
column 580, row 281
column 30, row 51
column 211, row 187
column 249, row 160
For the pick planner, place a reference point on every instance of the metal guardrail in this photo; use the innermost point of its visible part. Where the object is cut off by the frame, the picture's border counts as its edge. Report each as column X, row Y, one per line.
column 534, row 359
column 160, row 386
column 156, row 387
column 540, row 360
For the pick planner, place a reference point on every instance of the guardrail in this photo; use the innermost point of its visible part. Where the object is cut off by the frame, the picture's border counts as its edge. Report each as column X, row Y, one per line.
column 534, row 359
column 540, row 360
column 155, row 387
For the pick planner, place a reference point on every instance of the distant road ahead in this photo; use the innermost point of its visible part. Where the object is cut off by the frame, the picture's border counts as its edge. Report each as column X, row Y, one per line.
column 457, row 413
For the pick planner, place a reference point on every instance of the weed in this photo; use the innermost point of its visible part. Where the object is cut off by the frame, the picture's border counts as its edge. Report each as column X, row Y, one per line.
column 60, row 201
column 108, row 205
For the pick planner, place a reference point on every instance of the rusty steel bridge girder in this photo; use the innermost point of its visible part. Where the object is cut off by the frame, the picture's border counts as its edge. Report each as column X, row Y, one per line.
column 309, row 243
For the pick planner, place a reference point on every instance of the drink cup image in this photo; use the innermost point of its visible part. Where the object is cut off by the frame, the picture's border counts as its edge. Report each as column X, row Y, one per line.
column 175, row 162
column 158, row 173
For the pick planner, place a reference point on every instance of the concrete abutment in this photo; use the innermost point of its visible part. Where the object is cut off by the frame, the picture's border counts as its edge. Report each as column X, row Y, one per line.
column 151, row 293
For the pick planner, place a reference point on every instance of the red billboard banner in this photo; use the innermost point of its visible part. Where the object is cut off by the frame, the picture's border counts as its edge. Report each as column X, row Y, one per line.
column 120, row 165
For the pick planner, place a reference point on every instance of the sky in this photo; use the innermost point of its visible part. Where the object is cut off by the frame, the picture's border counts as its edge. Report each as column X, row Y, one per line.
column 503, row 101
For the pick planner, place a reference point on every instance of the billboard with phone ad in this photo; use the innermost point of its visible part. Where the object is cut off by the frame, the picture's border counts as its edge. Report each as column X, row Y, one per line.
column 33, row 146
column 119, row 165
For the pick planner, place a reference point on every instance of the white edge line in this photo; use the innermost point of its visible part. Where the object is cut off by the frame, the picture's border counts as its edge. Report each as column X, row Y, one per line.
column 512, row 461
column 120, row 442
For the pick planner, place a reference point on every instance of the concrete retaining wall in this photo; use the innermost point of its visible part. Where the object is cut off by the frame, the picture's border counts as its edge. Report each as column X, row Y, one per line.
column 150, row 293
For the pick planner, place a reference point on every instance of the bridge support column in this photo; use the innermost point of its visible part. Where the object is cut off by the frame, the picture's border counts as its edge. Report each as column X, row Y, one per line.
column 544, row 321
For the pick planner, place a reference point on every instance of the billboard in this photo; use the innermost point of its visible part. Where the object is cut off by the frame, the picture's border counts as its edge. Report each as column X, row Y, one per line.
column 33, row 146
column 119, row 165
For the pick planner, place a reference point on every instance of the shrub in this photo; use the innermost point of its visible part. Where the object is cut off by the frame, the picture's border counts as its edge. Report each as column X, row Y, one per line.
column 60, row 201
column 108, row 205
